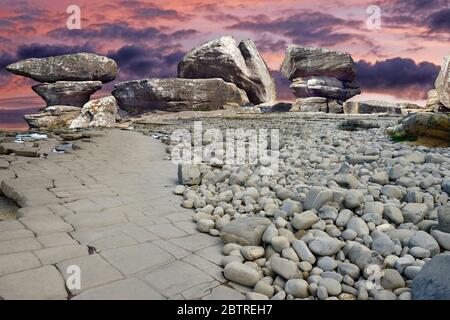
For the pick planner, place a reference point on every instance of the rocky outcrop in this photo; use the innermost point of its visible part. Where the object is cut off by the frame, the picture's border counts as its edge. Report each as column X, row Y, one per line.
column 442, row 83
column 69, row 67
column 301, row 62
column 320, row 73
column 432, row 126
column 53, row 117
column 97, row 113
column 70, row 93
column 240, row 64
column 371, row 106
column 175, row 94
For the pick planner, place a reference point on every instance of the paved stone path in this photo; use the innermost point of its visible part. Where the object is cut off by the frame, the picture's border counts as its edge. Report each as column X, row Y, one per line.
column 107, row 208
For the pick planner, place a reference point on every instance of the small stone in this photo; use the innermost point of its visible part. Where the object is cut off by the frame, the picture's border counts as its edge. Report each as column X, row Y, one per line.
column 251, row 253
column 392, row 279
column 279, row 243
column 255, row 296
column 443, row 238
column 264, row 288
column 304, row 220
column 325, row 246
column 384, row 295
column 297, row 288
column 381, row 178
column 205, row 225
column 333, row 287
column 359, row 226
column 393, row 214
column 179, row 189
column 302, row 250
column 241, row 274
column 414, row 212
column 322, row 293
column 353, row 199
column 419, row 252
column 424, row 240
column 285, row 268
column 327, row 263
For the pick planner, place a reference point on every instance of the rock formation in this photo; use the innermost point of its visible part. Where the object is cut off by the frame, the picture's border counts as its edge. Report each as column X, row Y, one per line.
column 439, row 97
column 68, row 82
column 175, row 94
column 320, row 73
column 371, row 106
column 240, row 64
column 70, row 93
column 97, row 113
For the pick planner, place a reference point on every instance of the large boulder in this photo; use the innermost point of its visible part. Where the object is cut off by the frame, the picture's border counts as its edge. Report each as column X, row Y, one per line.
column 435, row 127
column 69, row 93
column 442, row 83
column 434, row 102
column 53, row 117
column 240, row 64
column 97, row 113
column 433, row 281
column 69, row 67
column 322, row 87
column 174, row 94
column 301, row 62
column 371, row 106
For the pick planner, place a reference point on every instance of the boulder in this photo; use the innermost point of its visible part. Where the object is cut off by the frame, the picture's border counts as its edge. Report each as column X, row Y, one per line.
column 371, row 106
column 70, row 93
column 240, row 64
column 300, row 62
column 246, row 231
column 97, row 113
column 173, row 94
column 69, row 67
column 433, row 282
column 431, row 126
column 433, row 102
column 53, row 117
column 313, row 104
column 322, row 87
column 442, row 83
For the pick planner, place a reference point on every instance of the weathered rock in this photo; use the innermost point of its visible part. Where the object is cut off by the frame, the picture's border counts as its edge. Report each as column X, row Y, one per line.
column 434, row 127
column 312, row 104
column 442, row 83
column 322, row 87
column 245, row 231
column 69, row 67
column 433, row 282
column 371, row 106
column 97, row 113
column 53, row 117
column 302, row 62
column 240, row 64
column 433, row 102
column 70, row 93
column 172, row 94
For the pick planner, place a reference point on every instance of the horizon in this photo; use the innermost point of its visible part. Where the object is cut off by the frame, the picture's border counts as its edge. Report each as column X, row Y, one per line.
column 398, row 62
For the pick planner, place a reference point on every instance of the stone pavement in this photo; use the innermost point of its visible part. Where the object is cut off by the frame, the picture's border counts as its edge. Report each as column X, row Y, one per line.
column 109, row 209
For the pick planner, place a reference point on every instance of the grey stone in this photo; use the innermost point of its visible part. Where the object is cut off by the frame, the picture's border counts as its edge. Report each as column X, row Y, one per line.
column 392, row 279
column 241, row 273
column 414, row 212
column 298, row 288
column 245, row 231
column 69, row 93
column 426, row 241
column 432, row 282
column 285, row 268
column 325, row 246
column 304, row 220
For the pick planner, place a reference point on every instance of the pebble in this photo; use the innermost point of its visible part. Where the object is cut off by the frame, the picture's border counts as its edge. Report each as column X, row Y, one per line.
column 325, row 246
column 304, row 220
column 252, row 252
column 327, row 263
column 279, row 243
column 285, row 268
column 303, row 251
column 205, row 225
column 333, row 287
column 392, row 279
column 241, row 274
column 297, row 288
column 264, row 288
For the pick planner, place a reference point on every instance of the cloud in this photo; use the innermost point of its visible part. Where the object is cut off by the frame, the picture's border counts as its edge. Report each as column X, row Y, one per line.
column 439, row 21
column 149, row 11
column 403, row 76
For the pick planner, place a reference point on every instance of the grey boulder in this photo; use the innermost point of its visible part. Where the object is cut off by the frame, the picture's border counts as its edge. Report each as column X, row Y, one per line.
column 69, row 93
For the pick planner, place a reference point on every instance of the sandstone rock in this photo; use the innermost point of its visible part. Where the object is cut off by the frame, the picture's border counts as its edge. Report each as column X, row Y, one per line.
column 240, row 64
column 433, row 102
column 304, row 62
column 172, row 94
column 371, row 106
column 53, row 117
column 69, row 67
column 432, row 282
column 442, row 83
column 70, row 93
column 245, row 231
column 97, row 113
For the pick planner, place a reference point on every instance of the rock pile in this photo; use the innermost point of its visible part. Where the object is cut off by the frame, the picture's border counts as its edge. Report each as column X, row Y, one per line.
column 68, row 82
column 439, row 97
column 322, row 79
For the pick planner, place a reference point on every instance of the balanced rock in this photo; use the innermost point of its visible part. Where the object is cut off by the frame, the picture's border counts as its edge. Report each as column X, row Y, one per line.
column 442, row 83
column 240, row 64
column 69, row 67
column 69, row 93
column 97, row 113
column 173, row 94
column 371, row 106
column 301, row 62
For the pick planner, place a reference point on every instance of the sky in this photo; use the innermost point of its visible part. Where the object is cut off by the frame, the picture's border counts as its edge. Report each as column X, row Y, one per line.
column 398, row 61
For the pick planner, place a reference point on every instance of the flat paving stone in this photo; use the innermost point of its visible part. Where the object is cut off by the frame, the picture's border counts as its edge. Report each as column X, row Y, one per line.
column 19, row 245
column 8, row 225
column 16, row 262
column 95, row 271
column 133, row 259
column 112, row 242
column 176, row 278
column 128, row 289
column 223, row 292
column 196, row 241
column 95, row 220
column 58, row 254
column 56, row 240
column 46, row 224
column 16, row 234
column 36, row 284
column 166, row 231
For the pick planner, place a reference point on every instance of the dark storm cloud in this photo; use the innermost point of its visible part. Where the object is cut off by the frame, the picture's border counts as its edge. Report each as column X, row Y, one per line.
column 439, row 21
column 120, row 30
column 308, row 28
column 396, row 73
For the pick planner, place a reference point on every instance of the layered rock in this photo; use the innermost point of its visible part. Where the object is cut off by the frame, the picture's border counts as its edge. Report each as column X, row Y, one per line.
column 70, row 93
column 69, row 67
column 371, row 106
column 320, row 73
column 53, row 117
column 442, row 83
column 97, row 113
column 175, row 94
column 240, row 64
